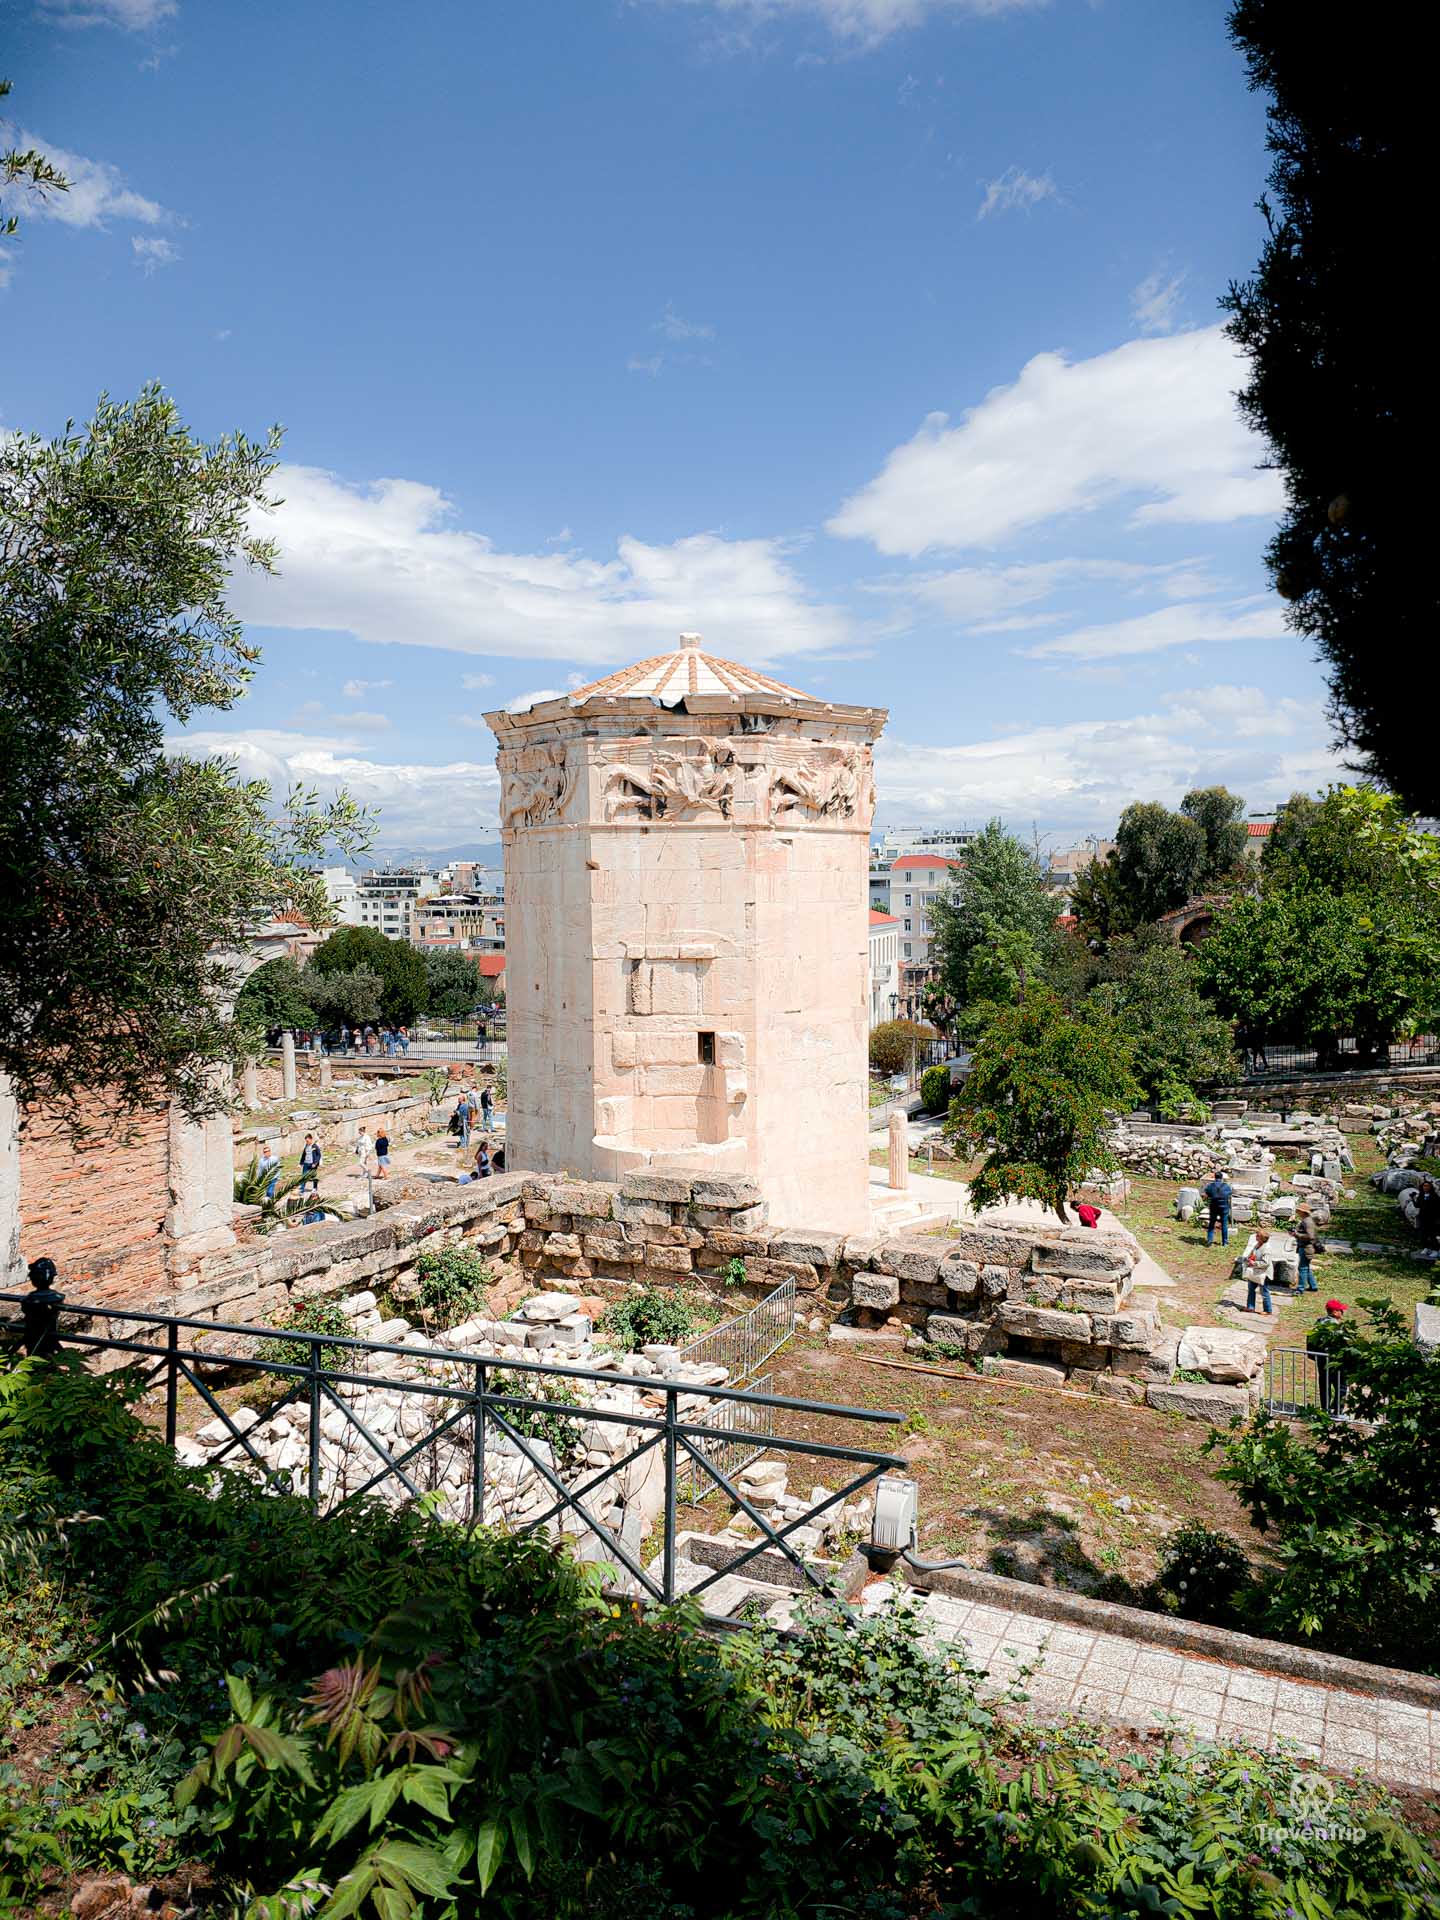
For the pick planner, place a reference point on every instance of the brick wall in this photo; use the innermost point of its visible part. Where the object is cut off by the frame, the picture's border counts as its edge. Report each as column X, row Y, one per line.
column 97, row 1210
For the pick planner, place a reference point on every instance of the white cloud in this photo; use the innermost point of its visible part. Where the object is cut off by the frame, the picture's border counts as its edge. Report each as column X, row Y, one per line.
column 650, row 363
column 1153, row 422
column 523, row 702
column 1185, row 624
column 357, row 689
column 1016, row 191
column 476, row 682
column 988, row 598
column 97, row 191
column 418, row 805
column 151, row 252
column 385, row 563
column 1155, row 303
column 1080, row 774
column 674, row 327
column 866, row 22
column 133, row 14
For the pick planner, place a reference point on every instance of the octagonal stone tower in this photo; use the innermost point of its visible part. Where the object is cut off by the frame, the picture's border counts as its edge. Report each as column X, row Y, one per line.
column 686, row 890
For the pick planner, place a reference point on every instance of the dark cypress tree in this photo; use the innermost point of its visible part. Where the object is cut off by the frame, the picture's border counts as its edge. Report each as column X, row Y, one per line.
column 1335, row 324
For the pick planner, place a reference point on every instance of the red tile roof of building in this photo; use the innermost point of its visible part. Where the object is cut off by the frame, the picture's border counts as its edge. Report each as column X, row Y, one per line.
column 921, row 860
column 492, row 965
column 1258, row 829
column 883, row 919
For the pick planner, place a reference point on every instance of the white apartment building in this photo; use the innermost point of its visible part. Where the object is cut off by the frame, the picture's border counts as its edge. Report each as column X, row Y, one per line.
column 947, row 843
column 912, row 882
column 387, row 900
column 341, row 888
column 884, row 967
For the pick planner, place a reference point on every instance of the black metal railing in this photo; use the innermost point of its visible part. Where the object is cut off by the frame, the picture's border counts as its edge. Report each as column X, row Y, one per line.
column 475, row 1407
column 1277, row 1061
column 428, row 1040
column 1299, row 1382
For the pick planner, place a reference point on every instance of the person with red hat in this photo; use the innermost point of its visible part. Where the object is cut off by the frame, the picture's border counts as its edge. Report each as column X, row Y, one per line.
column 1328, row 1341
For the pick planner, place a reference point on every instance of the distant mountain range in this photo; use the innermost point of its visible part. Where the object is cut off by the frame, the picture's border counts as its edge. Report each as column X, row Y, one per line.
column 487, row 853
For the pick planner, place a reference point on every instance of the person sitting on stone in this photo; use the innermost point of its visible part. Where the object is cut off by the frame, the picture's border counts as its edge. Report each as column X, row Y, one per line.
column 1257, row 1268
column 1221, row 1197
column 482, row 1161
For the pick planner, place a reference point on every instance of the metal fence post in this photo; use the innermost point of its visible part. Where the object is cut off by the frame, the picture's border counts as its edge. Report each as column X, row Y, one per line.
column 172, row 1384
column 477, row 1442
column 668, row 1579
column 314, row 1384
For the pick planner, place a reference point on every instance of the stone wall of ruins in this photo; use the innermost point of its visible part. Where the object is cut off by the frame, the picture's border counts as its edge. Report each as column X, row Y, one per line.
column 1045, row 1306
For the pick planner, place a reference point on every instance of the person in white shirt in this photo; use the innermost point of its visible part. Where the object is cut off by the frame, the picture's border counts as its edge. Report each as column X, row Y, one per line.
column 270, row 1166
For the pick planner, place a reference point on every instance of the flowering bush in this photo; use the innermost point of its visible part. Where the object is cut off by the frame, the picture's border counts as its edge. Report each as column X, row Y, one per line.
column 1203, row 1575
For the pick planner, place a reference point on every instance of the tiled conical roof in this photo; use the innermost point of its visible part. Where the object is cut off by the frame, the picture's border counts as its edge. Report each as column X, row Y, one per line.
column 688, row 670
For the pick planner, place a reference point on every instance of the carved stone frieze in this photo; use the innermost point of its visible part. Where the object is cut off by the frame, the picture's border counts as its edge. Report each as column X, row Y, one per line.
column 672, row 785
column 535, row 788
column 832, row 784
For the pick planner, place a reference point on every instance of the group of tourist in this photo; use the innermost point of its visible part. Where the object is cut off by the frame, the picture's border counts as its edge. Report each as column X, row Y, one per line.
column 1258, row 1263
column 390, row 1040
column 471, row 1109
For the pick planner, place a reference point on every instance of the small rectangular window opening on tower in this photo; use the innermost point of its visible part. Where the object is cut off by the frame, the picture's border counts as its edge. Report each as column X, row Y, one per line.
column 707, row 1049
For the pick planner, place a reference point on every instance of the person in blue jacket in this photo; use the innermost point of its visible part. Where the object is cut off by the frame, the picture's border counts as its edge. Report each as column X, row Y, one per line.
column 1220, row 1195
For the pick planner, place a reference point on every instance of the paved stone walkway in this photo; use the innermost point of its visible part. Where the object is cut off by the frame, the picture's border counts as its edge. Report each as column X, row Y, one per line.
column 1107, row 1676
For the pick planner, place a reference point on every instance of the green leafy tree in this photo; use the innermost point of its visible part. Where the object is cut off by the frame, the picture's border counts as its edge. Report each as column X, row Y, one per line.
column 895, row 1043
column 1098, row 904
column 1342, row 941
column 1358, row 840
column 274, row 996
column 1343, row 418
column 30, row 168
column 1220, row 816
column 130, row 876
column 352, row 996
column 452, row 984
column 1001, row 892
column 1180, row 1044
column 1037, row 1100
column 366, row 950
column 1006, row 963
column 1160, row 860
column 1292, row 824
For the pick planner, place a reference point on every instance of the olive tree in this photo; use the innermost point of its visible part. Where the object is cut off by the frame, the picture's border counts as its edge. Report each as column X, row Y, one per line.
column 133, row 876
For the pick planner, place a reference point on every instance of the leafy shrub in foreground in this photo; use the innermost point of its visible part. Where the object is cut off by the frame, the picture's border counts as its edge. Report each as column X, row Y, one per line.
column 1350, row 1503
column 399, row 1712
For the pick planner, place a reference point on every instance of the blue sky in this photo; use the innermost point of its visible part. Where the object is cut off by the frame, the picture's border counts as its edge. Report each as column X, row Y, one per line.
column 875, row 339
